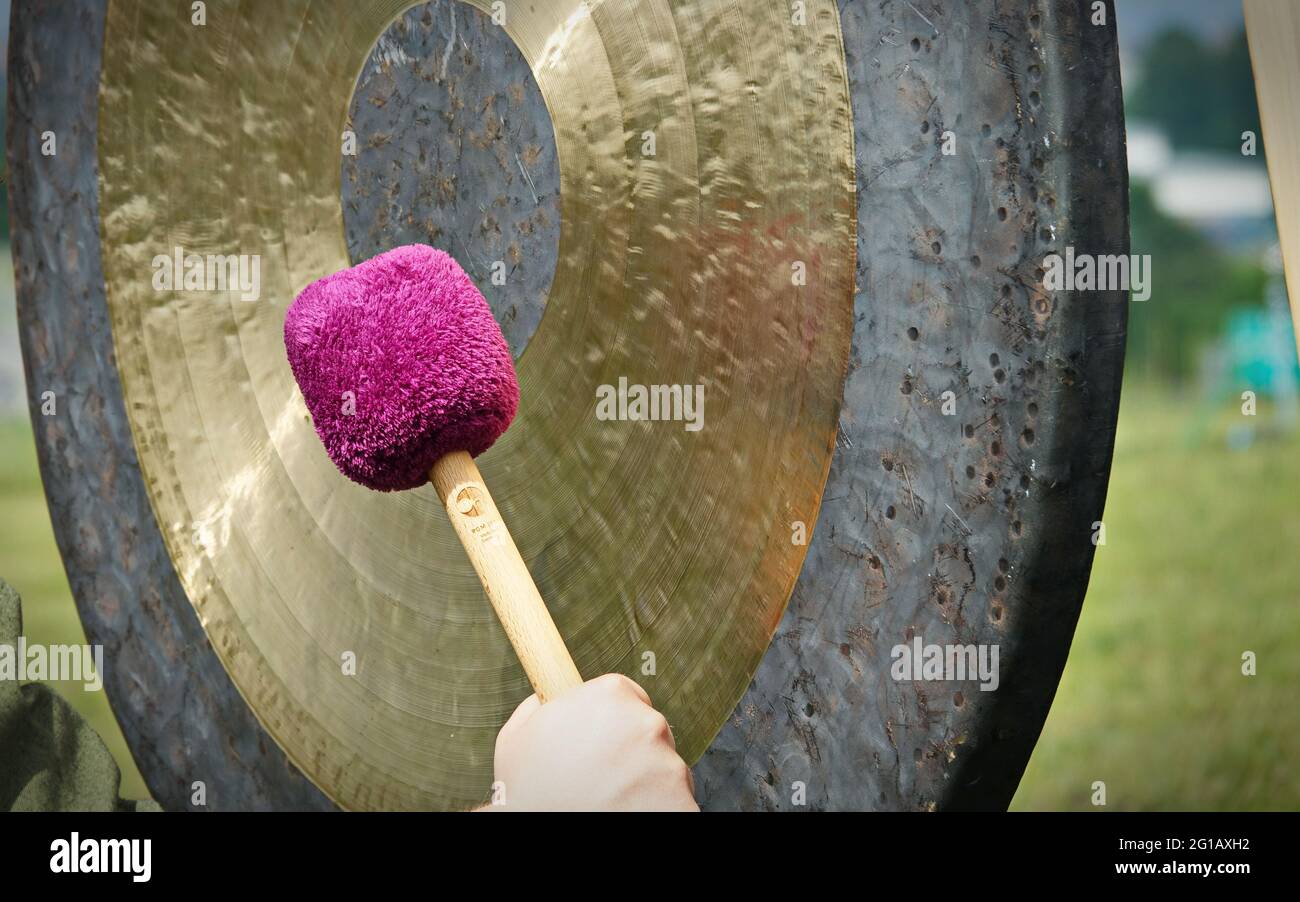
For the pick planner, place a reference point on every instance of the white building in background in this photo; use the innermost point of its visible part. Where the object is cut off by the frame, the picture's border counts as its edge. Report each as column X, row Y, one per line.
column 1226, row 196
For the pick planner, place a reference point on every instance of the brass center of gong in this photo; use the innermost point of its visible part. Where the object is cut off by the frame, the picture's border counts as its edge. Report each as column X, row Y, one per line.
column 703, row 164
column 451, row 145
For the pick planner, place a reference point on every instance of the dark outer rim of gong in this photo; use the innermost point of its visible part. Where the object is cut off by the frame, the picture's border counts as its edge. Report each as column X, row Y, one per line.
column 181, row 715
column 178, row 709
column 919, row 548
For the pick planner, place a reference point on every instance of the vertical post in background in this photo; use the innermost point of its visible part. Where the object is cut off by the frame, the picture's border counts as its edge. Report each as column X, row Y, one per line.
column 1273, row 30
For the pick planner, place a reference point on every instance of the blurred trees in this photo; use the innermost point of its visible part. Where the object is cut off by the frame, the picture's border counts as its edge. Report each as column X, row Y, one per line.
column 1201, row 95
column 1194, row 286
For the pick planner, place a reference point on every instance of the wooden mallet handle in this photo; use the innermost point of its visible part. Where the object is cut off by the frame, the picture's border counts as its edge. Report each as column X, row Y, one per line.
column 504, row 575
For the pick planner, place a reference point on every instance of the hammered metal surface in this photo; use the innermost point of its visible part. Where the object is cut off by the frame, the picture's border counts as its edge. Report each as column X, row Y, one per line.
column 821, row 709
column 175, row 703
column 459, row 154
column 674, row 267
column 969, row 529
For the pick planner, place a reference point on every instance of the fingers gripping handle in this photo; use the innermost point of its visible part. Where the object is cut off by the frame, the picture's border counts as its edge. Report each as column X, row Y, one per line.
column 504, row 576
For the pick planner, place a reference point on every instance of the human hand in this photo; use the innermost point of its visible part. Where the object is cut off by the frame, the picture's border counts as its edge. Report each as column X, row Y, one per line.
column 600, row 747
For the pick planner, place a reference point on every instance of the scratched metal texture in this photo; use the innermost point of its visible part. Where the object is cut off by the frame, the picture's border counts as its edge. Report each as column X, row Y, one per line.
column 177, row 707
column 966, row 529
column 675, row 265
column 1008, row 563
column 458, row 154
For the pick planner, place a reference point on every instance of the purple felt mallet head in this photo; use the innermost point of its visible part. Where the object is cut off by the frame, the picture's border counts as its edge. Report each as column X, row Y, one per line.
column 400, row 362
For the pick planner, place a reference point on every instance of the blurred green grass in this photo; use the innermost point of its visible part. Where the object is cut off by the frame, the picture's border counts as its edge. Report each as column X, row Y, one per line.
column 30, row 562
column 1201, row 563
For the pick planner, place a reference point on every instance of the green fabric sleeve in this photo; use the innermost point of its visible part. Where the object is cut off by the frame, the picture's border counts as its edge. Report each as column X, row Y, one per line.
column 50, row 758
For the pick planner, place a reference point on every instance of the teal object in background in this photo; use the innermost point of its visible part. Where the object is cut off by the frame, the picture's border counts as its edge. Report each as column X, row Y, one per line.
column 1262, row 351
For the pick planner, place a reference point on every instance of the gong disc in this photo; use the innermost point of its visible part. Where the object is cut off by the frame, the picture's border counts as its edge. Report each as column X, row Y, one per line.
column 971, row 527
column 706, row 201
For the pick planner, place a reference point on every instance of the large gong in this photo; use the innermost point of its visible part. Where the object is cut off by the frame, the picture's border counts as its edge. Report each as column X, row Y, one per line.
column 832, row 217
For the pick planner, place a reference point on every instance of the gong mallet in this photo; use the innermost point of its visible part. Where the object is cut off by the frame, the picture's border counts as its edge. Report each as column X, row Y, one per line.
column 408, row 378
